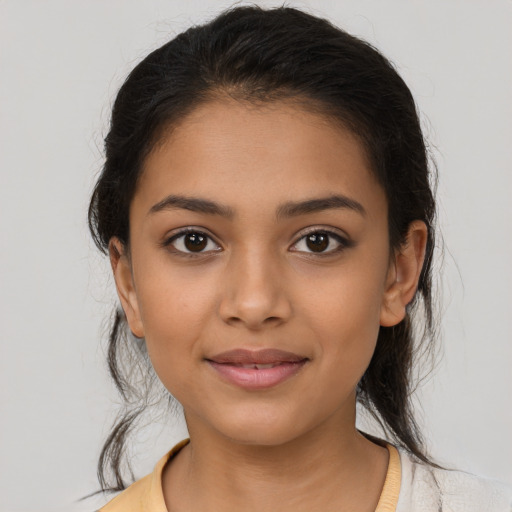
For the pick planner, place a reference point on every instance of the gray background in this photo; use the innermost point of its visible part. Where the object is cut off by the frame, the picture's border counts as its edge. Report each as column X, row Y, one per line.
column 61, row 64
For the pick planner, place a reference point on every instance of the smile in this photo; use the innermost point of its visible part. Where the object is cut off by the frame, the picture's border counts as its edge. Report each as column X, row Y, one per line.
column 255, row 370
column 257, row 366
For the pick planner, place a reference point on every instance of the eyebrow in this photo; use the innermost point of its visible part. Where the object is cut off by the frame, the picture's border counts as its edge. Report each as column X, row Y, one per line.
column 286, row 210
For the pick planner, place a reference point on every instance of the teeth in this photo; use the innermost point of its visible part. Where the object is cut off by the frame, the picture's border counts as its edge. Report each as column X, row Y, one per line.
column 259, row 366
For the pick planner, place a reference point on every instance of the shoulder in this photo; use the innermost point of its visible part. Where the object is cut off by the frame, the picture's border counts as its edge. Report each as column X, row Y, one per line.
column 424, row 488
column 145, row 495
column 132, row 499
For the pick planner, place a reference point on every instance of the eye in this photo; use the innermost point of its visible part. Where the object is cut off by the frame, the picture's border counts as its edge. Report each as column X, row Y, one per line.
column 321, row 242
column 191, row 241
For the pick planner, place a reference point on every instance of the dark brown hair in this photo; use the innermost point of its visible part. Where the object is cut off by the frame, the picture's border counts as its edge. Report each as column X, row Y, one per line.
column 258, row 55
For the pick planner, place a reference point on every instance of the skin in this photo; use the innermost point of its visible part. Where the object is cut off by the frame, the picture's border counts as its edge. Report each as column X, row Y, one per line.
column 258, row 284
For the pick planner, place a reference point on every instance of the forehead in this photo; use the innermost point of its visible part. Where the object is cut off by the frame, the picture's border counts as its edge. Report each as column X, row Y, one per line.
column 243, row 155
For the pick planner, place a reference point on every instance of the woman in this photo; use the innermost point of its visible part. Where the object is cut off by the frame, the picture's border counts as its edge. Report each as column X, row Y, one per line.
column 267, row 208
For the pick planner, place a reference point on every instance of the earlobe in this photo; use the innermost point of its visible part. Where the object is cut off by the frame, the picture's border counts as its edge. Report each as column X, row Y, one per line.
column 403, row 275
column 121, row 268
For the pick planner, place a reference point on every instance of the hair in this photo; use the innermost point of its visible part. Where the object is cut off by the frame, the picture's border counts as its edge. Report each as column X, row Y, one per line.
column 258, row 56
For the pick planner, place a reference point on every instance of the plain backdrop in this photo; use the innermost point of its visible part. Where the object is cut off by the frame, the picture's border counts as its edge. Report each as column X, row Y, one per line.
column 61, row 63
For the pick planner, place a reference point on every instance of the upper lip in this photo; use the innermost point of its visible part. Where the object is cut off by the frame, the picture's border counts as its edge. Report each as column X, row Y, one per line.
column 263, row 356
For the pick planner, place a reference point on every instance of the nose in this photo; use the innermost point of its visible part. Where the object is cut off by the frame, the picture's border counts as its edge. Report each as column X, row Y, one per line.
column 254, row 292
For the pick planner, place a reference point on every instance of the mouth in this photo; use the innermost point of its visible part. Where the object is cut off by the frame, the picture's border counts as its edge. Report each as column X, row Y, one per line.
column 257, row 366
column 254, row 370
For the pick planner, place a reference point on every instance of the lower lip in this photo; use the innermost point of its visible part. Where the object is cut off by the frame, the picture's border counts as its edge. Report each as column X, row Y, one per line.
column 252, row 378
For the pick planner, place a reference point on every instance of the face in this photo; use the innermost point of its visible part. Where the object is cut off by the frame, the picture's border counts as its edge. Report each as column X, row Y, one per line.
column 259, row 270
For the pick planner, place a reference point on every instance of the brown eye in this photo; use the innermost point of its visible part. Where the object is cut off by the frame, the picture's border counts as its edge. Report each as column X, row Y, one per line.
column 195, row 242
column 322, row 243
column 317, row 242
column 191, row 242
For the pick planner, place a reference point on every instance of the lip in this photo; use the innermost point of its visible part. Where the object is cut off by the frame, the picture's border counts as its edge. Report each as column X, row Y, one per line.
column 256, row 369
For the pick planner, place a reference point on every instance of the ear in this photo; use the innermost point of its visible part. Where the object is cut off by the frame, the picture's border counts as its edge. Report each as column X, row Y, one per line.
column 403, row 275
column 122, row 270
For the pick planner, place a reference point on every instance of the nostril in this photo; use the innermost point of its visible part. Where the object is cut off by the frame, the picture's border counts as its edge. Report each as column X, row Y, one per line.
column 272, row 319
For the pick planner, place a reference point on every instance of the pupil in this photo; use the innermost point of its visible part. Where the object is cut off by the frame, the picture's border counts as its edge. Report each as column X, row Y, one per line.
column 317, row 242
column 195, row 242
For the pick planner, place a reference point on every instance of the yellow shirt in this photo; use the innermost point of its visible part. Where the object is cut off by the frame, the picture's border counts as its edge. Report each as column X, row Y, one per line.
column 146, row 495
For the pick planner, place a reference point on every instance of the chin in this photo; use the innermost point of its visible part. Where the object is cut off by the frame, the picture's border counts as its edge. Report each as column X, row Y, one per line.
column 261, row 429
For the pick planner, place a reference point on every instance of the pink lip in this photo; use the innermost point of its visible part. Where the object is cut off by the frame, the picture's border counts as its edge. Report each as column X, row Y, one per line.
column 240, row 367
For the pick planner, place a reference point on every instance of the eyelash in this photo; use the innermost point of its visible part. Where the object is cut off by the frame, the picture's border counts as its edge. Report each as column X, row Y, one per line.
column 344, row 243
column 181, row 234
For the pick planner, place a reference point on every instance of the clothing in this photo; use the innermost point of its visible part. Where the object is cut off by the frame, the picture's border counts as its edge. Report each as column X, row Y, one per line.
column 410, row 486
column 427, row 489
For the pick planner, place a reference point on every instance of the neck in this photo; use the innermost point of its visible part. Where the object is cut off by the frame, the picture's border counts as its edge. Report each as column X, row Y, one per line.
column 325, row 469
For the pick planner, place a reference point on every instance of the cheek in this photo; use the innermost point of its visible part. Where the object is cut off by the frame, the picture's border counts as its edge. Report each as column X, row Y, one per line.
column 344, row 315
column 175, row 309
